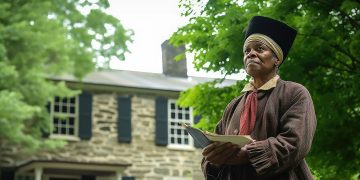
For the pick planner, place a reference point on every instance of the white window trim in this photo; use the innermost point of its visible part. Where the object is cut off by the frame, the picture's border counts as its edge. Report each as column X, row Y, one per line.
column 190, row 146
column 74, row 137
column 63, row 137
column 181, row 147
column 176, row 178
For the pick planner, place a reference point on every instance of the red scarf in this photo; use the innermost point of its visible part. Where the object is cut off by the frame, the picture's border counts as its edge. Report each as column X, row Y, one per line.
column 248, row 116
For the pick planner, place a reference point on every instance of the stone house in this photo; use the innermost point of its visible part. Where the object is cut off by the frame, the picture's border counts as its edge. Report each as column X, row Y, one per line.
column 124, row 125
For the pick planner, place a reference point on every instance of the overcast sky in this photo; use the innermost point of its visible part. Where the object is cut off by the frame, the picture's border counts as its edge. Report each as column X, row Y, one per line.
column 153, row 22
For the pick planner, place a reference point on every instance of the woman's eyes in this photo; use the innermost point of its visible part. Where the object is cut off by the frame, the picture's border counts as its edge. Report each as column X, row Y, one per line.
column 259, row 49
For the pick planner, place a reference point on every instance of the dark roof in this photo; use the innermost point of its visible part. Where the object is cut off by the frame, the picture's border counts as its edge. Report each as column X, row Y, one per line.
column 144, row 80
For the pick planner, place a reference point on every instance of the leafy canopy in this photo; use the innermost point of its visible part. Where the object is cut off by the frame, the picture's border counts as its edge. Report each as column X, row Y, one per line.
column 39, row 38
column 324, row 58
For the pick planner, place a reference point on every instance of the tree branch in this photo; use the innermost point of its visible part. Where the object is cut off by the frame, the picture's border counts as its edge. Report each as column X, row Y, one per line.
column 334, row 7
column 344, row 52
column 336, row 68
column 353, row 59
column 354, row 23
column 351, row 106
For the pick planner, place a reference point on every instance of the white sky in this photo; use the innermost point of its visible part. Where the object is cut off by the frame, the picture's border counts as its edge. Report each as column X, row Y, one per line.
column 153, row 22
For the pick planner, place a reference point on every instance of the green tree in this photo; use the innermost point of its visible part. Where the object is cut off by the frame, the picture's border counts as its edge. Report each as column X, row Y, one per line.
column 324, row 58
column 41, row 38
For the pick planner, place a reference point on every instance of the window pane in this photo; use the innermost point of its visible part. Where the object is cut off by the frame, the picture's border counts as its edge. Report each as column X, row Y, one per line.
column 64, row 100
column 179, row 132
column 180, row 108
column 187, row 116
column 71, row 131
column 63, row 130
column 56, row 108
column 179, row 140
column 57, row 99
column 56, row 121
column 172, row 131
column 180, row 116
column 186, row 141
column 72, row 100
column 172, row 106
column 71, row 121
column 72, row 110
column 173, row 115
column 64, row 109
column 172, row 140
column 63, row 121
column 187, row 108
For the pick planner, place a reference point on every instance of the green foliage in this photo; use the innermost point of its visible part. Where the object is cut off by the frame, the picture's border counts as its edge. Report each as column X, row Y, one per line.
column 324, row 58
column 212, row 97
column 43, row 38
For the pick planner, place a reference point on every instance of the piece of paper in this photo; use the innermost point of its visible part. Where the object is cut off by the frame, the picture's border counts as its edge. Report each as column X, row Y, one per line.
column 205, row 138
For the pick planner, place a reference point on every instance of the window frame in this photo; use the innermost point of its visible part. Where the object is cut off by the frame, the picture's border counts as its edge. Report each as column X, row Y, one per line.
column 177, row 178
column 53, row 114
column 190, row 145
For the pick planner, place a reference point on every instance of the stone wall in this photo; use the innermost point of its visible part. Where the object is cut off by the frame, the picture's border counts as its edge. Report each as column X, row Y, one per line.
column 148, row 160
column 151, row 161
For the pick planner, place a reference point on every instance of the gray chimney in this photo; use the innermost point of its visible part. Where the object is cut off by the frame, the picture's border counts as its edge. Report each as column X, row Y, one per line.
column 171, row 67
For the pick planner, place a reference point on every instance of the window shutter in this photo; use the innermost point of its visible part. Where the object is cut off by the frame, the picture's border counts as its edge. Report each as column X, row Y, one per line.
column 124, row 119
column 161, row 119
column 196, row 120
column 88, row 177
column 45, row 132
column 128, row 178
column 85, row 117
column 7, row 174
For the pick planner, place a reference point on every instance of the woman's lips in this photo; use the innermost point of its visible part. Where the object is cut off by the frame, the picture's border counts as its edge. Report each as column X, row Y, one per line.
column 252, row 61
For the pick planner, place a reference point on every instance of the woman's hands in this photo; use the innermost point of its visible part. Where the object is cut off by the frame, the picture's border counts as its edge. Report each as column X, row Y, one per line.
column 220, row 153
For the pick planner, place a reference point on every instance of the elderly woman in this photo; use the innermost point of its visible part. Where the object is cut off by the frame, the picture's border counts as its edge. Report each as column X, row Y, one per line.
column 279, row 115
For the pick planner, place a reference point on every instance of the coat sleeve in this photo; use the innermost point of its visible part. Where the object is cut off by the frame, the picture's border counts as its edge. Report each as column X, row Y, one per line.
column 297, row 127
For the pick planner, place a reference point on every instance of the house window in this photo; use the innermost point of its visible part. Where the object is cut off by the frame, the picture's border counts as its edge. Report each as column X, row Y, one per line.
column 178, row 136
column 64, row 115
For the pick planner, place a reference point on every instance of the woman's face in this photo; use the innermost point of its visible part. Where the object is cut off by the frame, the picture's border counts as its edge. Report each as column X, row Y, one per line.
column 259, row 60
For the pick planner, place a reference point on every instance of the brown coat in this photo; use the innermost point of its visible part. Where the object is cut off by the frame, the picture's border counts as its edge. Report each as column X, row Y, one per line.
column 284, row 129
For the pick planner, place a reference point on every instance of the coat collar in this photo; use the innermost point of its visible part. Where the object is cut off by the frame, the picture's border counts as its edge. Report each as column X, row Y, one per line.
column 268, row 85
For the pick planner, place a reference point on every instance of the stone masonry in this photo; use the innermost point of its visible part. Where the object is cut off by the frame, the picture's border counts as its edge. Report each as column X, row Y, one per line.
column 148, row 161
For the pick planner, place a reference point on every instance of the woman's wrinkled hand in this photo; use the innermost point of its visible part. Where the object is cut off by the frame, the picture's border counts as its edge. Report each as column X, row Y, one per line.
column 220, row 153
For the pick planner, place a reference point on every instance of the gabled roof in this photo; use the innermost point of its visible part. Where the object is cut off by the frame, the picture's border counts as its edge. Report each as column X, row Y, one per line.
column 143, row 80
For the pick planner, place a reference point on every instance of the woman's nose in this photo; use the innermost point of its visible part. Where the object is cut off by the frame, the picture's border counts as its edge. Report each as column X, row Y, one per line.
column 251, row 54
